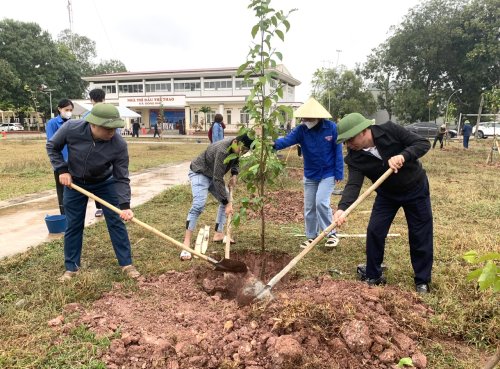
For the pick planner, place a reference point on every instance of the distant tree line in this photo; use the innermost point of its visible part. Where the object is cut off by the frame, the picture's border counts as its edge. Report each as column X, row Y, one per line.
column 441, row 46
column 31, row 61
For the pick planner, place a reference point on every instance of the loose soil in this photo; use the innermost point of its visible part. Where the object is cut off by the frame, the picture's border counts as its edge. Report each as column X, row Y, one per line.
column 192, row 320
column 283, row 207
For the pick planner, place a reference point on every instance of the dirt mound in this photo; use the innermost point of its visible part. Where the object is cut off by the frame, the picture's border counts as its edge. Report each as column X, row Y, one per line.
column 189, row 320
column 283, row 207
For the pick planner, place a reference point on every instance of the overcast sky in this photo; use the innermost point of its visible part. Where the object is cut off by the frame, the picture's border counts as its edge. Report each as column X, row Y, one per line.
column 152, row 35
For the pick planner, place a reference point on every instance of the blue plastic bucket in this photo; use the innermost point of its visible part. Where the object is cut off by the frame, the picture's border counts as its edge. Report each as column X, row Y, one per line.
column 56, row 223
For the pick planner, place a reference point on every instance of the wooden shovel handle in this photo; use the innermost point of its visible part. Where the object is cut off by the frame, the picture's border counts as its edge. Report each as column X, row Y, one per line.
column 323, row 234
column 227, row 246
column 143, row 225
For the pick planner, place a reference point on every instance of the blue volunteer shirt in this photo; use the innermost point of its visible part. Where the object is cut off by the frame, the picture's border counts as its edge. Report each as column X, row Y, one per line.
column 51, row 128
column 322, row 155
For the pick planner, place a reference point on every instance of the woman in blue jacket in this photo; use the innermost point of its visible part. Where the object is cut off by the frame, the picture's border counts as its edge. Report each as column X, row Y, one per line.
column 217, row 128
column 65, row 110
column 323, row 166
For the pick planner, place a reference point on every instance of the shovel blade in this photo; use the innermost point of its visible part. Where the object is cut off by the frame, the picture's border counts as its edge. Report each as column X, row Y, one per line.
column 228, row 265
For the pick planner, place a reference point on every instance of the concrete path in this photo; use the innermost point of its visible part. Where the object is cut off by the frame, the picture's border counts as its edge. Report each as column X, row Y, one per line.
column 22, row 220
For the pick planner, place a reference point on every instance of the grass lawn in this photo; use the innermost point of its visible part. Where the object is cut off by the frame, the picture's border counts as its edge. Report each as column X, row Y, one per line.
column 25, row 167
column 466, row 205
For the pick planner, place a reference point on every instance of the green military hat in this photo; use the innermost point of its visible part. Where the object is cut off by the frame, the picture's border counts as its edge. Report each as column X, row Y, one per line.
column 351, row 125
column 105, row 115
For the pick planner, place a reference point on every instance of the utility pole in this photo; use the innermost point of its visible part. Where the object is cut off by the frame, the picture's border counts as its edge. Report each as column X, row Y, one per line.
column 70, row 17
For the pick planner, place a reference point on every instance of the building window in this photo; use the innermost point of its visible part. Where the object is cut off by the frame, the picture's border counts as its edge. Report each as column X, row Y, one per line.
column 244, row 117
column 195, row 116
column 109, row 89
column 187, row 86
column 130, row 88
column 158, row 87
column 290, row 90
column 273, row 83
column 244, row 85
column 218, row 85
column 228, row 117
column 210, row 117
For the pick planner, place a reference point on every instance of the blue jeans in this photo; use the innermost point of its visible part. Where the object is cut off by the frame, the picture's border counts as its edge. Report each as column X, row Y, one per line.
column 466, row 141
column 201, row 185
column 317, row 210
column 75, row 206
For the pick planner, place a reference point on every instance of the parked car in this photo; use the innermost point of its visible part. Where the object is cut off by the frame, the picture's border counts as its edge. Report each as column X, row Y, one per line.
column 487, row 129
column 429, row 129
column 5, row 127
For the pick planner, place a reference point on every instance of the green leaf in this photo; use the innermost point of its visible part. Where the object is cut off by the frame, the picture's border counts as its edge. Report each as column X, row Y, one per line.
column 287, row 24
column 274, row 21
column 279, row 55
column 470, row 256
column 406, row 361
column 255, row 29
column 242, row 68
column 236, row 219
column 489, row 256
column 489, row 276
column 474, row 275
column 280, row 34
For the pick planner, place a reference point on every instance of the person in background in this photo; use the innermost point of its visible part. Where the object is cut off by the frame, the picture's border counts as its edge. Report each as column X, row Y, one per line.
column 98, row 162
column 372, row 150
column 439, row 136
column 156, row 131
column 65, row 110
column 217, row 128
column 466, row 131
column 97, row 95
column 323, row 166
column 135, row 128
column 206, row 174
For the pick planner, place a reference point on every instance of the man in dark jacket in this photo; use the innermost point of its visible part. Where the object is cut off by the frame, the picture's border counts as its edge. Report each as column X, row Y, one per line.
column 98, row 162
column 206, row 175
column 372, row 149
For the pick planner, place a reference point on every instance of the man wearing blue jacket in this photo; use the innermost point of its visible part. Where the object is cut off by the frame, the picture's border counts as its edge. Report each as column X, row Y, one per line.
column 323, row 166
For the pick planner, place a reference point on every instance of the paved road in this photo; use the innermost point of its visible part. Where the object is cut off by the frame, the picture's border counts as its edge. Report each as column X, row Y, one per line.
column 22, row 223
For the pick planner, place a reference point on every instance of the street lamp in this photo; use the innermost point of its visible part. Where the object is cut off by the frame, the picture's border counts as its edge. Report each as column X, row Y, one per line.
column 46, row 90
column 448, row 103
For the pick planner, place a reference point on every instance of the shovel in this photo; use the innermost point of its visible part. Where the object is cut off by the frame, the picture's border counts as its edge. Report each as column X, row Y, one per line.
column 228, row 229
column 225, row 265
column 265, row 292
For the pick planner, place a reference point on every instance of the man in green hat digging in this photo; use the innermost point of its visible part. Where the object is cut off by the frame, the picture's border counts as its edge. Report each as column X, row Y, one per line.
column 98, row 162
column 372, row 149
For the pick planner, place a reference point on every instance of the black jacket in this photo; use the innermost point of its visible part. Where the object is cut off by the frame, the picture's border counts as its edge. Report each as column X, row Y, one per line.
column 390, row 139
column 89, row 160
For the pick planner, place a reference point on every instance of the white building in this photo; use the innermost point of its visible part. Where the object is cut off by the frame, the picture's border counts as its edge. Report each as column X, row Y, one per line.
column 182, row 93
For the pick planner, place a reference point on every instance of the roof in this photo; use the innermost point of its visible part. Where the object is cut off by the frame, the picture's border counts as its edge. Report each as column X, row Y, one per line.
column 283, row 74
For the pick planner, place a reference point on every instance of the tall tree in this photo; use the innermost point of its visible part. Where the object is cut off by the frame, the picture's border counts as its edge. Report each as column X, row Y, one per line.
column 82, row 47
column 441, row 46
column 109, row 66
column 342, row 93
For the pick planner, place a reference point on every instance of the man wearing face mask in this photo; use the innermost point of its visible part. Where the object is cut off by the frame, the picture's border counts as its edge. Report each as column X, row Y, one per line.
column 65, row 110
column 323, row 166
column 97, row 161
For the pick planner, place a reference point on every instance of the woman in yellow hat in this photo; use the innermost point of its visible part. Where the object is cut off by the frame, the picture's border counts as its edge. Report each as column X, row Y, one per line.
column 323, row 166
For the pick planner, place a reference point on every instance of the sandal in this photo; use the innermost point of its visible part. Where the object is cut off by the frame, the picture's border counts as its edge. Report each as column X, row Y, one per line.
column 224, row 241
column 185, row 255
column 306, row 243
column 67, row 276
column 131, row 272
column 332, row 241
